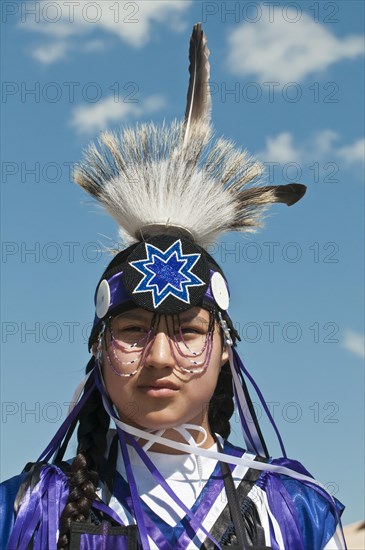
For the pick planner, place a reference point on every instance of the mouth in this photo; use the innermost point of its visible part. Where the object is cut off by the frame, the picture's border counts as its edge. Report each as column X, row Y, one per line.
column 159, row 388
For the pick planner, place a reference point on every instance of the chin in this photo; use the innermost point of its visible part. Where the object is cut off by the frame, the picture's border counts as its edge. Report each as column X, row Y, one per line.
column 159, row 421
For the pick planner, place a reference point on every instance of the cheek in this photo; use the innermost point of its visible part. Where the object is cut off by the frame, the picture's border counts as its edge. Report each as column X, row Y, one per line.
column 116, row 386
column 123, row 395
column 200, row 388
column 199, row 394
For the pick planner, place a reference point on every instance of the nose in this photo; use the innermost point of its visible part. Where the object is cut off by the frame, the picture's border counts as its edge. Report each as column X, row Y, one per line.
column 160, row 353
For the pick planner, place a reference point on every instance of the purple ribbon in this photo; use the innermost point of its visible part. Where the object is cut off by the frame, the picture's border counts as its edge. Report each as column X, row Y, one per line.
column 104, row 541
column 283, row 508
column 40, row 511
column 159, row 478
column 122, row 495
column 298, row 467
column 209, row 494
column 102, row 507
column 154, row 471
column 136, row 499
column 52, row 447
column 242, row 368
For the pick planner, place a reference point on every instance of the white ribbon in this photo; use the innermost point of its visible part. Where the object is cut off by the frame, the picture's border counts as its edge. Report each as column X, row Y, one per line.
column 244, row 406
column 77, row 393
column 198, row 451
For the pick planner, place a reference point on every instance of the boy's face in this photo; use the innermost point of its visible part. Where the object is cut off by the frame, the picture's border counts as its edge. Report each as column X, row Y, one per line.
column 160, row 395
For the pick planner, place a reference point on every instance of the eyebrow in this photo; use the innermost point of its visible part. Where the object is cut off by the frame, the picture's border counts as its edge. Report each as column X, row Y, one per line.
column 140, row 316
column 191, row 317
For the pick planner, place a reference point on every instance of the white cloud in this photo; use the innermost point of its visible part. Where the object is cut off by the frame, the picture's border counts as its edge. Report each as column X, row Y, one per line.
column 354, row 153
column 281, row 148
column 131, row 22
column 354, row 342
column 324, row 142
column 94, row 46
column 285, row 50
column 321, row 146
column 57, row 51
column 91, row 119
column 51, row 53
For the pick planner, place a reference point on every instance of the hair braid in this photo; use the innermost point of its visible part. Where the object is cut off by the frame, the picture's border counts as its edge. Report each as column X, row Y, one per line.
column 221, row 405
column 84, row 472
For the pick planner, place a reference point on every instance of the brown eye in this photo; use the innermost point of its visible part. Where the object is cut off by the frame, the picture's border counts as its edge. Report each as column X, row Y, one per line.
column 194, row 331
column 122, row 328
column 130, row 331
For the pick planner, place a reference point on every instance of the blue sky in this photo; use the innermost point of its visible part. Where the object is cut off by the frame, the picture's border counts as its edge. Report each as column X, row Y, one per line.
column 287, row 83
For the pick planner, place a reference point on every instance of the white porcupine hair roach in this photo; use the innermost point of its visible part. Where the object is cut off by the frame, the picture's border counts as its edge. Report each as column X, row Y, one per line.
column 178, row 175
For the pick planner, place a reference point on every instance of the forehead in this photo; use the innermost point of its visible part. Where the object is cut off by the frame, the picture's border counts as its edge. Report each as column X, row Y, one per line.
column 139, row 314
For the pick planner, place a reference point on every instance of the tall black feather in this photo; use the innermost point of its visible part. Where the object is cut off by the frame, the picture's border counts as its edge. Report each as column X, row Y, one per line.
column 198, row 103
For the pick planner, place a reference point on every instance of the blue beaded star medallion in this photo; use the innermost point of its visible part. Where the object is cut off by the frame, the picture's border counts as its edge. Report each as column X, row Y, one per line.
column 170, row 276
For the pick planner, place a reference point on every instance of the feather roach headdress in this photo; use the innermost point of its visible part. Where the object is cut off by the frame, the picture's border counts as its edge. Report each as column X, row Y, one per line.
column 158, row 179
column 173, row 189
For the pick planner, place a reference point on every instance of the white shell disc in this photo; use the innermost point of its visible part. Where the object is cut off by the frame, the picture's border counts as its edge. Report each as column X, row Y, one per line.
column 219, row 290
column 102, row 299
